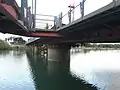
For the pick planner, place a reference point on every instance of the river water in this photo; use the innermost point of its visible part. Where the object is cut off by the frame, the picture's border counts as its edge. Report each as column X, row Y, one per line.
column 21, row 70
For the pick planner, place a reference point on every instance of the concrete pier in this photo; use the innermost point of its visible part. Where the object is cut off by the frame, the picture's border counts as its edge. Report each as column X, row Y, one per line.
column 58, row 55
column 55, row 56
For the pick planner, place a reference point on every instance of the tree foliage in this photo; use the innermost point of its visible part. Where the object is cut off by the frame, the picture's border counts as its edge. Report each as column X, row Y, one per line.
column 4, row 45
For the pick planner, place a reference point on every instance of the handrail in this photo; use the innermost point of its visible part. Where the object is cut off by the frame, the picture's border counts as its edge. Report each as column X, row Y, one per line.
column 44, row 15
column 44, row 19
column 71, row 10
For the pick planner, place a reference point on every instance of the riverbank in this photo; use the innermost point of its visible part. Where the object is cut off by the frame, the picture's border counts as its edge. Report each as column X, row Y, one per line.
column 5, row 46
column 101, row 46
column 18, row 47
column 95, row 47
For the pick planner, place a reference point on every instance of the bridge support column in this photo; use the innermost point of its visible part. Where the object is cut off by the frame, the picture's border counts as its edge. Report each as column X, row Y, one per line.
column 58, row 57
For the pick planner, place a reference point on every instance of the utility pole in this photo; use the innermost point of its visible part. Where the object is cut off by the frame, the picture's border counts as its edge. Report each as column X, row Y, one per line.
column 82, row 8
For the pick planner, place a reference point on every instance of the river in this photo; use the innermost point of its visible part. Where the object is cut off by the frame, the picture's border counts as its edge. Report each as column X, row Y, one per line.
column 21, row 70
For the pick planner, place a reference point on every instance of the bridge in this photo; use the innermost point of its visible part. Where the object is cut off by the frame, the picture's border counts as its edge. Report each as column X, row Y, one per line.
column 99, row 26
column 102, row 25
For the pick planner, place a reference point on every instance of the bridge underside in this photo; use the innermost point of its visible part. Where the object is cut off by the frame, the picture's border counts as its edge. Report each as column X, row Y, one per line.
column 103, row 27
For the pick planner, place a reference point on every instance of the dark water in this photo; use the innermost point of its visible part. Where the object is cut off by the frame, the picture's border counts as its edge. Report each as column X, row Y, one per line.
column 20, row 70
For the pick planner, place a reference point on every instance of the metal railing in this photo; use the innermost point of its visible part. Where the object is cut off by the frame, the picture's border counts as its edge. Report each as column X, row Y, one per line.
column 44, row 21
column 77, row 12
column 71, row 15
column 34, row 20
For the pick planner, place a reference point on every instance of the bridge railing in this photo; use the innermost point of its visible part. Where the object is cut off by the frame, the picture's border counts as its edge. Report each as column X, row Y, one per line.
column 75, row 12
column 49, row 22
column 32, row 20
column 44, row 21
column 35, row 21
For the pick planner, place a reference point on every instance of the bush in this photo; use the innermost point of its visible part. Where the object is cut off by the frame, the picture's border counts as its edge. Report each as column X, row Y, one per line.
column 4, row 45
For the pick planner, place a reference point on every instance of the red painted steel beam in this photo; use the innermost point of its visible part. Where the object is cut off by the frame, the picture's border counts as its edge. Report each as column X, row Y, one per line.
column 43, row 34
column 11, row 14
column 14, row 5
column 5, row 8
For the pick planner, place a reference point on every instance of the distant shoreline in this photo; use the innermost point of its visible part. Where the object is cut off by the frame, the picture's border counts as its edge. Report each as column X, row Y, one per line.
column 101, row 46
column 5, row 46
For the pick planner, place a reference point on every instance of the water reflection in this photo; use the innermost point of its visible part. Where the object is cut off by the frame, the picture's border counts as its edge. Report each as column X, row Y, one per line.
column 52, row 76
column 14, row 75
column 20, row 70
column 100, row 68
column 18, row 53
column 4, row 52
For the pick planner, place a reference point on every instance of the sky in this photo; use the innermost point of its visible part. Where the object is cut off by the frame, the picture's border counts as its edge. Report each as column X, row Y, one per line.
column 54, row 7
